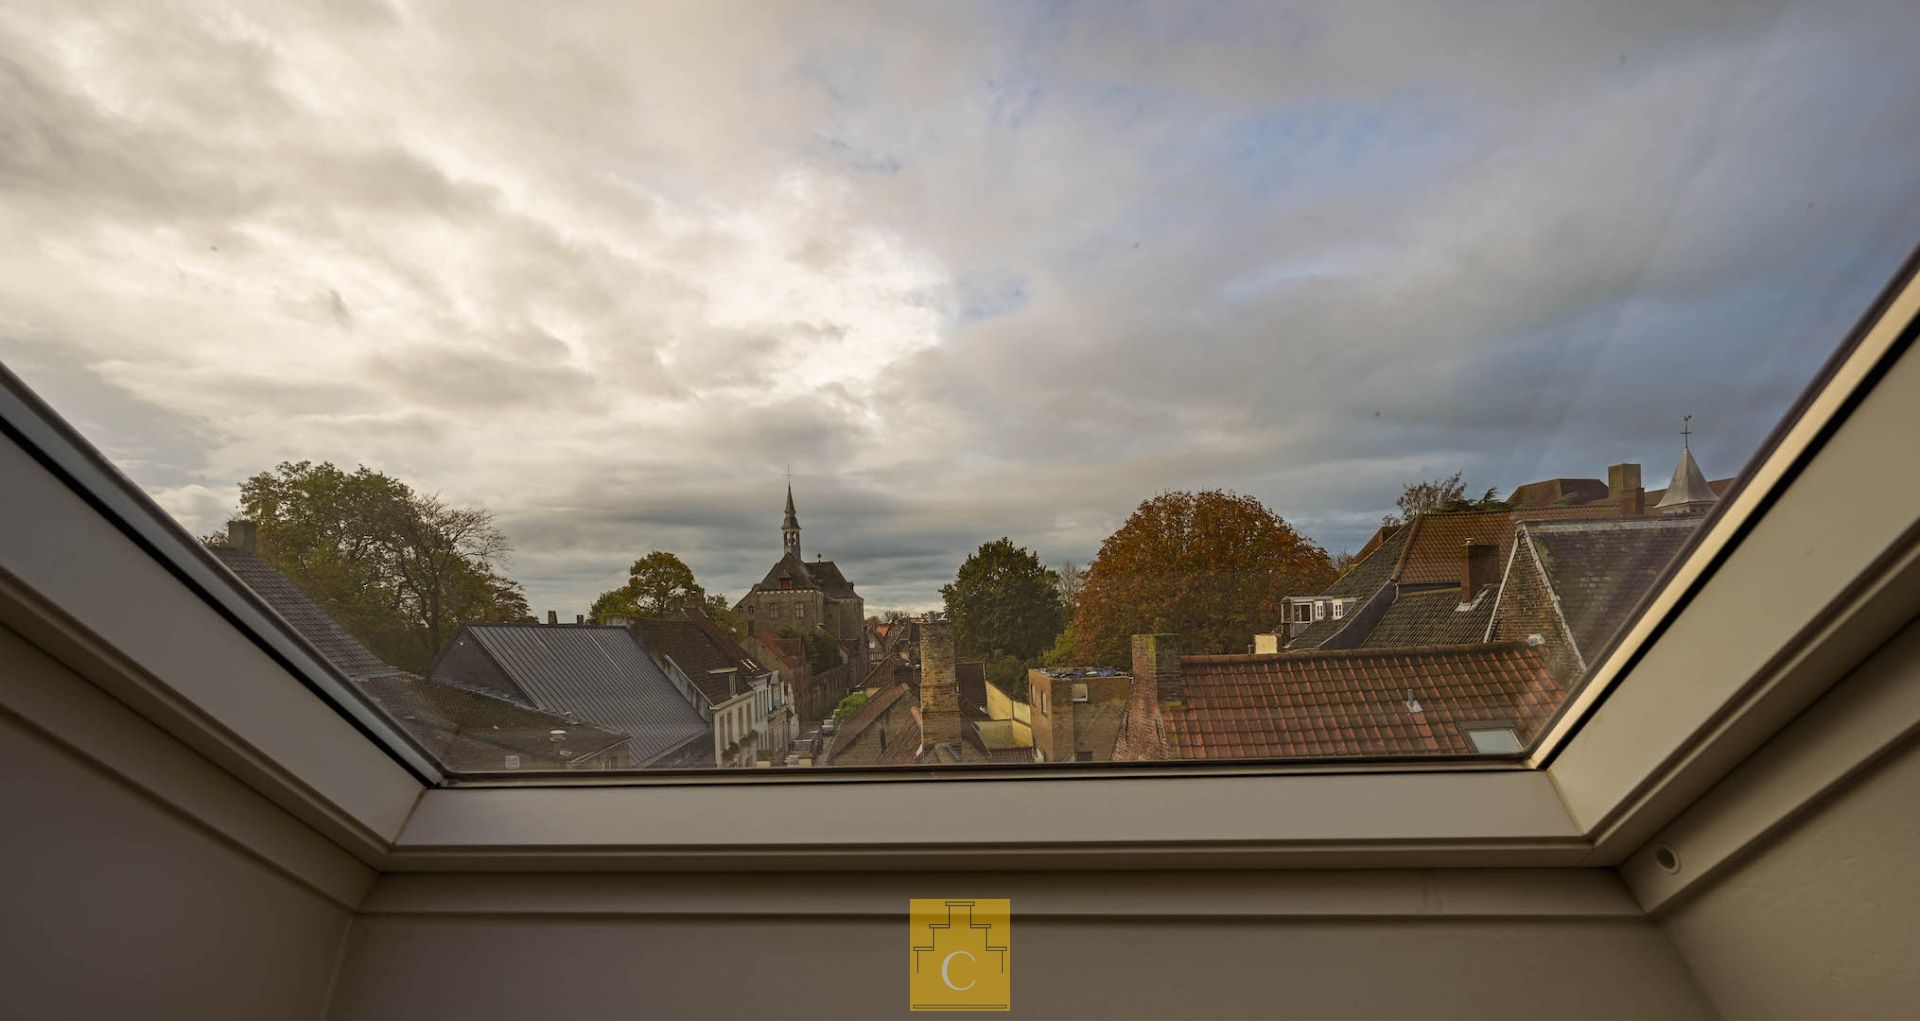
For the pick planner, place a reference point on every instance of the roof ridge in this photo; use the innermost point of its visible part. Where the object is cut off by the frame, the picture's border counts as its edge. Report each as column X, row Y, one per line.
column 1406, row 549
column 1360, row 653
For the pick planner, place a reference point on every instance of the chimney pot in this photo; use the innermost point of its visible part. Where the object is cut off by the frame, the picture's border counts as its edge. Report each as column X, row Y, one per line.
column 243, row 535
column 579, row 618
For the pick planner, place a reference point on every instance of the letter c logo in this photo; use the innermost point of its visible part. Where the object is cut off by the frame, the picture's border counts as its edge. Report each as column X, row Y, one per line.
column 948, row 979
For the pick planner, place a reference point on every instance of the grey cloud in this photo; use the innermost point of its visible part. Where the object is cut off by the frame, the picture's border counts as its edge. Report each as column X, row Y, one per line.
column 969, row 270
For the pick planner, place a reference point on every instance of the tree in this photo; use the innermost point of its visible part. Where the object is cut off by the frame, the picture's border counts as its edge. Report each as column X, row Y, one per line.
column 721, row 613
column 1341, row 561
column 658, row 585
column 1438, row 495
column 1003, row 602
column 1009, row 674
column 823, row 650
column 1069, row 579
column 397, row 569
column 1212, row 566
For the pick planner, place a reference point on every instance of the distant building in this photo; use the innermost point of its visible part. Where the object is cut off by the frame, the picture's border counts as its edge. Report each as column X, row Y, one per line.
column 1436, row 580
column 803, row 596
column 933, row 716
column 463, row 730
column 750, row 709
column 1076, row 714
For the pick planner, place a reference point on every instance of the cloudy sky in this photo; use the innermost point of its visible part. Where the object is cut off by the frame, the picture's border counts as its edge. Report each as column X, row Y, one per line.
column 967, row 269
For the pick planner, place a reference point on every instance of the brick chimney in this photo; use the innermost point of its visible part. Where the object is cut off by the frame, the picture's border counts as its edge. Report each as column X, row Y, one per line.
column 1624, row 489
column 1479, row 567
column 553, row 616
column 243, row 535
column 1156, row 682
column 939, row 686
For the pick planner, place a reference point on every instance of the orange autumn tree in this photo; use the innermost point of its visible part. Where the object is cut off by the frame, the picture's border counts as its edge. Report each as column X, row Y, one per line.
column 1211, row 566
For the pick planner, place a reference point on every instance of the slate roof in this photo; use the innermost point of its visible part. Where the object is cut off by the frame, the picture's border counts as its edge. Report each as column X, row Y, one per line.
column 698, row 647
column 823, row 575
column 1434, row 617
column 306, row 617
column 594, row 672
column 465, row 731
column 1361, row 579
column 1354, row 702
column 1600, row 570
column 876, row 707
column 826, row 574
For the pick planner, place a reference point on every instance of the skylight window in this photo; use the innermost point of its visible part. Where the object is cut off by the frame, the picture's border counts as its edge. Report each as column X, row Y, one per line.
column 1272, row 386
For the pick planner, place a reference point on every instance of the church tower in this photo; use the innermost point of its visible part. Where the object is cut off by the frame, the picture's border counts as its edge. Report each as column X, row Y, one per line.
column 790, row 527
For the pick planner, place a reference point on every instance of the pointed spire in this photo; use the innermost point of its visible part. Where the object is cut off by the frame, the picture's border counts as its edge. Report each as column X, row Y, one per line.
column 1688, row 493
column 790, row 526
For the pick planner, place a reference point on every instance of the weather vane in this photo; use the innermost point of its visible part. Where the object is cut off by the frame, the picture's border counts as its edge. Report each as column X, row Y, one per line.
column 1686, row 432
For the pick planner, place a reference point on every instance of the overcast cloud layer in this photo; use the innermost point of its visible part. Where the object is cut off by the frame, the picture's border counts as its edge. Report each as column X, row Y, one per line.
column 968, row 269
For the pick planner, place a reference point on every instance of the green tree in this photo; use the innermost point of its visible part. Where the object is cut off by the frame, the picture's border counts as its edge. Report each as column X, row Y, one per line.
column 1062, row 652
column 1212, row 566
column 399, row 570
column 721, row 613
column 1438, row 495
column 1009, row 674
column 848, row 706
column 1004, row 602
column 658, row 585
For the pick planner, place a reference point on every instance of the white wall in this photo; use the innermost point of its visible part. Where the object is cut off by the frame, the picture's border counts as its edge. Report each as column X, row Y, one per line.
column 1823, row 919
column 1439, row 943
column 116, row 906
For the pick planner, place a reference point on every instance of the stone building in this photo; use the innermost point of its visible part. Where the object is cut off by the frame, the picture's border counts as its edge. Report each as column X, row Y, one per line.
column 804, row 596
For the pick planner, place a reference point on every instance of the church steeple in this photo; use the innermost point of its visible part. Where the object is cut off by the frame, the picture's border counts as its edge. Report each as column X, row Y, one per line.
column 790, row 527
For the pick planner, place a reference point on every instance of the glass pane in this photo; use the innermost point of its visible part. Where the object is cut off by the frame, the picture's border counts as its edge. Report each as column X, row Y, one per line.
column 776, row 386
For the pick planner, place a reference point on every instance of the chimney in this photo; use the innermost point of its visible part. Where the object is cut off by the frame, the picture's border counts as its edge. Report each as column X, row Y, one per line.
column 1156, row 682
column 939, row 688
column 1156, row 667
column 1624, row 489
column 243, row 535
column 579, row 618
column 553, row 616
column 1479, row 568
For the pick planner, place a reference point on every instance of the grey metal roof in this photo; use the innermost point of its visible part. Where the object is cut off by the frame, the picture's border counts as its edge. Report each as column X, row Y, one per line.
column 1689, row 486
column 596, row 673
column 464, row 730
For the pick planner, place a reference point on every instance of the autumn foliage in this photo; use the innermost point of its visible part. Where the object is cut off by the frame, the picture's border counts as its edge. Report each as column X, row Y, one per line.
column 1211, row 566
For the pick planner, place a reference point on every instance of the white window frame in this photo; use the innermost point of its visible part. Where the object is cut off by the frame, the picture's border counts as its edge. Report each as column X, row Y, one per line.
column 1691, row 689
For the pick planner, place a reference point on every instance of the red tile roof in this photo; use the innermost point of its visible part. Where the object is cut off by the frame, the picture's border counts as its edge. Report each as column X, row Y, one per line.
column 1355, row 702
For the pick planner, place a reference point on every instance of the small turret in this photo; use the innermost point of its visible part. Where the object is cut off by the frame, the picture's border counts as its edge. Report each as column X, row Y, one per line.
column 1688, row 493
